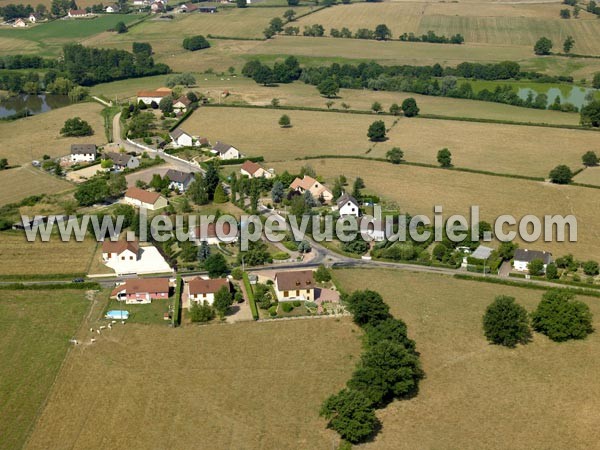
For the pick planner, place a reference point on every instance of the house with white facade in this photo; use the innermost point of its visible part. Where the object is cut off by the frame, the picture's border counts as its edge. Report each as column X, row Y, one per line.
column 181, row 139
column 77, row 13
column 295, row 285
column 19, row 23
column 524, row 256
column 226, row 151
column 179, row 180
column 137, row 291
column 120, row 250
column 317, row 189
column 254, row 170
column 214, row 235
column 202, row 290
column 122, row 161
column 145, row 199
column 153, row 96
column 182, row 104
column 83, row 153
column 347, row 206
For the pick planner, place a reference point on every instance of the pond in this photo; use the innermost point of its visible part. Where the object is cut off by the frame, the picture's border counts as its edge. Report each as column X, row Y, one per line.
column 575, row 95
column 35, row 104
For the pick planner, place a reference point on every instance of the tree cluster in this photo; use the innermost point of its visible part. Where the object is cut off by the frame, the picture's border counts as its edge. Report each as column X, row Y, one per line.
column 76, row 127
column 284, row 72
column 195, row 43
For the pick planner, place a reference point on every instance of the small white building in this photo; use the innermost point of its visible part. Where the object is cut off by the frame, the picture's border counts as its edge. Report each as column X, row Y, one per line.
column 83, row 153
column 348, row 206
column 254, row 170
column 181, row 104
column 154, row 96
column 226, row 151
column 120, row 250
column 145, row 199
column 295, row 285
column 201, row 290
column 35, row 17
column 181, row 139
column 19, row 23
column 123, row 161
column 179, row 180
column 523, row 257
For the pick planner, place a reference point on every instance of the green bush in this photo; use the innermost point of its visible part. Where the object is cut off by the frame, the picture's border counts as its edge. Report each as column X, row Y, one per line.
column 290, row 245
column 296, row 303
column 280, row 256
column 273, row 310
column 506, row 322
column 287, row 307
column 561, row 318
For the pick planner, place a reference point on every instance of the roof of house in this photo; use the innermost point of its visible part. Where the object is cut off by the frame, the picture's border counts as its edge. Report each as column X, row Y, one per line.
column 211, row 230
column 345, row 198
column 251, row 167
column 201, row 286
column 120, row 159
column 177, row 133
column 77, row 12
column 143, row 285
column 183, row 99
column 78, row 149
column 120, row 246
column 482, row 252
column 160, row 92
column 222, row 147
column 523, row 254
column 178, row 176
column 301, row 279
column 305, row 183
column 142, row 195
column 204, row 141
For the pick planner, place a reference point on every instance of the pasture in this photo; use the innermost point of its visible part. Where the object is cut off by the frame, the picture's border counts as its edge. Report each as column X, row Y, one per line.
column 512, row 149
column 477, row 395
column 226, row 386
column 20, row 257
column 416, row 190
column 35, row 327
column 48, row 38
column 591, row 175
column 16, row 184
column 43, row 133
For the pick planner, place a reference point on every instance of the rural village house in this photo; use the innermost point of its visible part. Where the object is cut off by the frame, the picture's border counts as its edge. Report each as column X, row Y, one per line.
column 200, row 290
column 120, row 250
column 83, row 153
column 226, row 151
column 181, row 139
column 142, row 290
column 181, row 104
column 123, row 161
column 78, row 13
column 19, row 23
column 348, row 206
column 153, row 96
column 523, row 257
column 310, row 184
column 296, row 285
column 254, row 170
column 35, row 17
column 210, row 236
column 145, row 199
column 179, row 180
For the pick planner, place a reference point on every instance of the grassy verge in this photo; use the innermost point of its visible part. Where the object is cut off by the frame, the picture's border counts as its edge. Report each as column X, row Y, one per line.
column 250, row 294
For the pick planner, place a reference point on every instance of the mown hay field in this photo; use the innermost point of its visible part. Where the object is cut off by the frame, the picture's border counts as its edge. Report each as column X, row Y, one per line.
column 417, row 190
column 16, row 184
column 477, row 395
column 35, row 328
column 512, row 149
column 591, row 175
column 21, row 257
column 226, row 386
column 43, row 136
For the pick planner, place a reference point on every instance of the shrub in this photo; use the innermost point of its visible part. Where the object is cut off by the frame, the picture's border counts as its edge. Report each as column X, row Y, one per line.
column 202, row 313
column 237, row 273
column 296, row 303
column 506, row 323
column 561, row 175
column 195, row 43
column 273, row 310
column 350, row 414
column 590, row 268
column 376, row 132
column 561, row 318
column 322, row 274
column 367, row 307
column 287, row 307
column 280, row 256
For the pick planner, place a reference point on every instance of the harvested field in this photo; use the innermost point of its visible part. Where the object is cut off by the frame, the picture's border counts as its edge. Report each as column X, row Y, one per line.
column 591, row 175
column 219, row 380
column 417, row 190
column 20, row 257
column 16, row 184
column 477, row 395
column 35, row 327
column 43, row 133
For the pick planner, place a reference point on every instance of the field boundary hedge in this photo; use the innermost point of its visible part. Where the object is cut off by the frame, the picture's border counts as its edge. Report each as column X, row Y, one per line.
column 250, row 294
column 176, row 319
column 48, row 286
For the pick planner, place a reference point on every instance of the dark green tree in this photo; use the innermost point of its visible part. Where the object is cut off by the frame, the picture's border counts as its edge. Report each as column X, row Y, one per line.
column 202, row 313
column 241, row 3
column 367, row 307
column 328, row 88
column 542, row 46
column 395, row 109
column 382, row 32
column 410, row 108
column 568, row 44
column 561, row 175
column 444, row 157
column 590, row 268
column 121, row 28
column 590, row 159
column 506, row 322
column 277, row 193
column 216, row 265
column 285, row 122
column 395, row 155
column 76, row 127
column 350, row 414
column 376, row 132
column 536, row 267
column 322, row 274
column 561, row 318
column 223, row 300
column 194, row 43
column 590, row 114
column 203, row 251
column 551, row 271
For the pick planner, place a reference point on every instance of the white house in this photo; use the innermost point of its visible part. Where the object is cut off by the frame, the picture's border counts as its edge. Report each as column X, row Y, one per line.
column 19, row 23
column 296, row 285
column 254, row 170
column 201, row 290
column 310, row 184
column 137, row 291
column 83, row 153
column 112, row 9
column 120, row 250
column 77, row 13
column 348, row 206
column 123, row 161
column 181, row 104
column 35, row 17
column 179, row 180
column 145, row 199
column 226, row 151
column 153, row 96
column 523, row 257
column 181, row 139
column 211, row 237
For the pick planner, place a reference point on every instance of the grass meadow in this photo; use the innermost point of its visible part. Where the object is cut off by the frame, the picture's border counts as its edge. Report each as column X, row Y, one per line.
column 35, row 327
column 416, row 190
column 477, row 395
column 247, row 385
column 591, row 175
column 16, row 184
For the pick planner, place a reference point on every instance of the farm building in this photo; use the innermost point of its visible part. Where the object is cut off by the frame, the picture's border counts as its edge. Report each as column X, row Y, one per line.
column 226, row 151
column 524, row 256
column 310, row 184
column 295, row 285
column 145, row 199
column 142, row 290
column 83, row 153
column 201, row 290
column 179, row 180
column 153, row 96
column 254, row 170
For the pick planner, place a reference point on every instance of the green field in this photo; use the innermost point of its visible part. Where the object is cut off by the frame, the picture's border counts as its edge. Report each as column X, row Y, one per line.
column 35, row 328
column 47, row 39
column 16, row 184
column 477, row 395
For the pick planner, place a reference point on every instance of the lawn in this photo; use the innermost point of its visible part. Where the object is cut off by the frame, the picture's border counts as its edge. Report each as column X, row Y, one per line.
column 43, row 133
column 216, row 386
column 476, row 395
column 16, row 184
column 417, row 190
column 35, row 327
column 20, row 257
column 144, row 314
column 48, row 38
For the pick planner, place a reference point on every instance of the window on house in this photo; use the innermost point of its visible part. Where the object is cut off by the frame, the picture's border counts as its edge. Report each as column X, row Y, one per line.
column 285, row 293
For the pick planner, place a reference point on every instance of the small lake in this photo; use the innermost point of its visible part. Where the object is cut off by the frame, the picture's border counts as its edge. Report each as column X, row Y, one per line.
column 575, row 95
column 35, row 104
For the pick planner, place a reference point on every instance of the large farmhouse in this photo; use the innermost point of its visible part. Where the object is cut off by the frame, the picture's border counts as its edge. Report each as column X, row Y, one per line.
column 296, row 285
column 83, row 153
column 145, row 199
